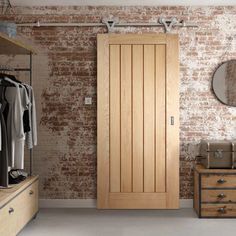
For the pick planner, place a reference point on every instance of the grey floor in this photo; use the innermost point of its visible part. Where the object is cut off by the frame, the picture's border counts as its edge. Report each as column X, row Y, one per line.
column 92, row 222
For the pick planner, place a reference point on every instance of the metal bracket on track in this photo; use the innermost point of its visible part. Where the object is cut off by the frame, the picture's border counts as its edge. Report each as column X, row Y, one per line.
column 110, row 23
column 168, row 23
column 113, row 22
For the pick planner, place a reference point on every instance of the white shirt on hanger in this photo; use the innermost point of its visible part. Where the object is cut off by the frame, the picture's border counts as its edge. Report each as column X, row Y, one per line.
column 18, row 100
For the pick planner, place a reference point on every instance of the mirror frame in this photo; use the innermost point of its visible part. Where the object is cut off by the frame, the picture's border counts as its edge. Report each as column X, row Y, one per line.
column 212, row 80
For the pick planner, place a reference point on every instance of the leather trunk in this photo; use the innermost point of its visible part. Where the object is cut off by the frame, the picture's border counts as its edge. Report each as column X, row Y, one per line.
column 218, row 154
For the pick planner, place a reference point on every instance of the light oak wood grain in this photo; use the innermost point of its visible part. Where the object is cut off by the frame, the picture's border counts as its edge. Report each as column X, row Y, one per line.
column 126, row 119
column 137, row 68
column 160, row 129
column 8, row 194
column 137, row 200
column 172, row 131
column 20, row 207
column 137, row 39
column 149, row 118
column 10, row 46
column 138, row 83
column 25, row 206
column 115, row 118
column 103, row 124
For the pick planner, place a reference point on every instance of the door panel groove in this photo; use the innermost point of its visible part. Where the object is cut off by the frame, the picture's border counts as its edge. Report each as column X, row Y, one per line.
column 137, row 69
column 114, row 118
column 155, row 118
column 132, row 154
column 143, row 117
column 161, row 121
column 126, row 139
column 148, row 118
column 120, row 113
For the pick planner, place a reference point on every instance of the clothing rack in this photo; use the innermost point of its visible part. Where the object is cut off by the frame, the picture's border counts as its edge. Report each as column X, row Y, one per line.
column 10, row 46
column 8, row 68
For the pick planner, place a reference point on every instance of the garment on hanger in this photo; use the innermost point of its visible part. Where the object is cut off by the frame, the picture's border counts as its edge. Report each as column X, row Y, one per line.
column 26, row 114
column 18, row 102
column 31, row 136
column 3, row 145
column 17, row 126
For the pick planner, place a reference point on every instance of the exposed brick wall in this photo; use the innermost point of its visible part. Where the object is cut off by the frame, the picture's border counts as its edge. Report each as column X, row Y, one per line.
column 65, row 72
column 231, row 82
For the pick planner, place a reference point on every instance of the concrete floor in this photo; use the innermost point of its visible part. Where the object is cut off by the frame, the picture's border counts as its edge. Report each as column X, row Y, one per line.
column 92, row 222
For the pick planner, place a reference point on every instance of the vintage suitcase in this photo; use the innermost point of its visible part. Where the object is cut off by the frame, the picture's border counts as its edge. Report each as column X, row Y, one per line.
column 218, row 154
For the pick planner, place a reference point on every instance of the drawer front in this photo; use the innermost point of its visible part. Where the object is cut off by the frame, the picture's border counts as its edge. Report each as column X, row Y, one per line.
column 7, row 222
column 222, row 195
column 219, row 181
column 26, row 205
column 17, row 213
column 218, row 210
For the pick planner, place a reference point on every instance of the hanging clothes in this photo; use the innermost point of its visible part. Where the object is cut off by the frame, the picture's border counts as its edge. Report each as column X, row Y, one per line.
column 31, row 135
column 1, row 128
column 3, row 145
column 18, row 125
column 18, row 102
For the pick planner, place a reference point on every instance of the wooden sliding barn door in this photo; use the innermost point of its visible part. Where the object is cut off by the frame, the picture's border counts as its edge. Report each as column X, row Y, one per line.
column 138, row 127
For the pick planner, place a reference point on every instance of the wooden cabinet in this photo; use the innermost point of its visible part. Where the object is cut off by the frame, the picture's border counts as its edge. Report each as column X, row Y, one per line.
column 214, row 192
column 218, row 210
column 218, row 195
column 218, row 181
column 18, row 206
column 138, row 121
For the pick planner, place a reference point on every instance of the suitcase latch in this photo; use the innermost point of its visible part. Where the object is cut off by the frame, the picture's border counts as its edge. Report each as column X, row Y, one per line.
column 219, row 153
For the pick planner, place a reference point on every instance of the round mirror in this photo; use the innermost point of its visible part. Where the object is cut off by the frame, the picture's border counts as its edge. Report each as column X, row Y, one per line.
column 224, row 83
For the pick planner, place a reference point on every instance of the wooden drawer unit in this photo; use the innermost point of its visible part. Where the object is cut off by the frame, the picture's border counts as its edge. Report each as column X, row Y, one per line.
column 218, row 181
column 214, row 192
column 216, row 195
column 218, row 210
column 18, row 206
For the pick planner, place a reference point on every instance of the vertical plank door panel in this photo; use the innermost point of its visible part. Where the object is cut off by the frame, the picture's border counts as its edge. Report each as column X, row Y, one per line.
column 137, row 144
column 172, row 130
column 115, row 118
column 137, row 68
column 149, row 119
column 126, row 116
column 160, row 118
column 103, row 121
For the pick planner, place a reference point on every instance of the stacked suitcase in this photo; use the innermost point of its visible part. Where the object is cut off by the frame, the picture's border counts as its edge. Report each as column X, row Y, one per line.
column 218, row 154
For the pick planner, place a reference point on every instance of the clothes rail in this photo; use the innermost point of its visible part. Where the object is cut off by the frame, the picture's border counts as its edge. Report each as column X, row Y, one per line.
column 15, row 69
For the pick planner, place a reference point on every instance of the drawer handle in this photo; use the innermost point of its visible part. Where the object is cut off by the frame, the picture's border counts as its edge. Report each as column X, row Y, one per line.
column 11, row 210
column 222, row 210
column 31, row 192
column 221, row 181
column 221, row 195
